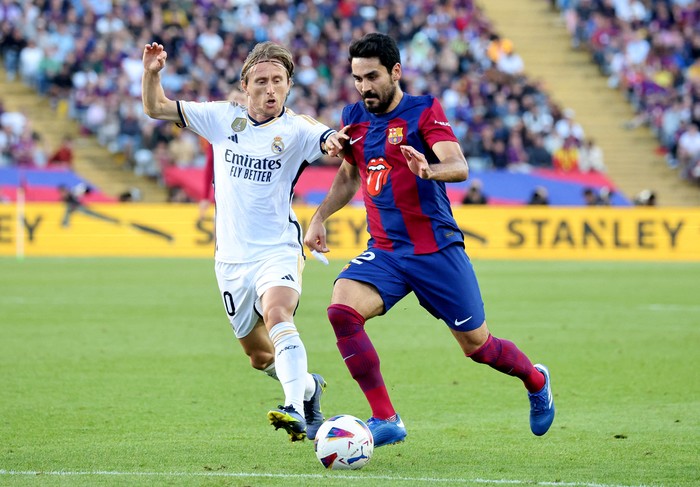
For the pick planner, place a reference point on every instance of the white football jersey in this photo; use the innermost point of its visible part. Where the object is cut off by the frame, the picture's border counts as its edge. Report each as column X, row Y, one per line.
column 255, row 168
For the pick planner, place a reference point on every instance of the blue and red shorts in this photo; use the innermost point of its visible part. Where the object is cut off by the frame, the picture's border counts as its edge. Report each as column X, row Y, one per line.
column 444, row 282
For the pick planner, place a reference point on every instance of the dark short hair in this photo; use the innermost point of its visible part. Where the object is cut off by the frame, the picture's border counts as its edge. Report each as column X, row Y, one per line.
column 376, row 45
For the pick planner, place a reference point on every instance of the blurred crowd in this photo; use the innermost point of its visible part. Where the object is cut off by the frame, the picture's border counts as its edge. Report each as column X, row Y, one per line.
column 650, row 50
column 85, row 55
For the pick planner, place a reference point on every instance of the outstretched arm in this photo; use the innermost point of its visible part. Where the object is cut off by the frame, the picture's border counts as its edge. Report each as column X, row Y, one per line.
column 452, row 168
column 344, row 186
column 155, row 103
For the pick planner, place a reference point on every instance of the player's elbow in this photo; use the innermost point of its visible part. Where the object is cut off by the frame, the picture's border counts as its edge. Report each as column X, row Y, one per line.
column 459, row 174
column 463, row 174
column 149, row 111
column 158, row 106
column 458, row 169
column 157, row 111
column 150, row 108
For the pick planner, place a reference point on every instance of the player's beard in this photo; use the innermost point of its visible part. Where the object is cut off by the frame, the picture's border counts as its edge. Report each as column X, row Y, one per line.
column 383, row 100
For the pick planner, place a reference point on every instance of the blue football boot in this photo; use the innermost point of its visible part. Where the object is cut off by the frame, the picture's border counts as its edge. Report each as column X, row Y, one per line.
column 386, row 432
column 542, row 405
column 312, row 408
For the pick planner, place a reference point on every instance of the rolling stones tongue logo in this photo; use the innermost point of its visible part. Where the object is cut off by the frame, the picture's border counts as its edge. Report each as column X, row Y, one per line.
column 378, row 170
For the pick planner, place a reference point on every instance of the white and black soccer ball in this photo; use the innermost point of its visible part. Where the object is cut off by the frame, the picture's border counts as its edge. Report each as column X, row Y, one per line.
column 344, row 442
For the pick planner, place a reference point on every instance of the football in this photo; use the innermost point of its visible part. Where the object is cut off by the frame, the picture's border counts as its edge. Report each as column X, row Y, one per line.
column 344, row 442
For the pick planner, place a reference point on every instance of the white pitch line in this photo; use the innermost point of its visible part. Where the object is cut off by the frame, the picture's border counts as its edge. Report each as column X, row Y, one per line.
column 672, row 307
column 63, row 473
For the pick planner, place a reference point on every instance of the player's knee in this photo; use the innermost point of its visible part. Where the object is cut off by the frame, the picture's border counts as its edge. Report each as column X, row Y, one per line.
column 277, row 314
column 345, row 320
column 261, row 360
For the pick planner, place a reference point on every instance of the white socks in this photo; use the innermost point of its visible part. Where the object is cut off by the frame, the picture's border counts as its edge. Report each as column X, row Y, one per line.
column 310, row 382
column 290, row 364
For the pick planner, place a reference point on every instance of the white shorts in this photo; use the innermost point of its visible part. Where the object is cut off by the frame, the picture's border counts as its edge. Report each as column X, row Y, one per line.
column 242, row 286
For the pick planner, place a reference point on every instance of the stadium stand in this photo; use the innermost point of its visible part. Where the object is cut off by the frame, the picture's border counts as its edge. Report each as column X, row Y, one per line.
column 634, row 158
column 84, row 58
column 91, row 164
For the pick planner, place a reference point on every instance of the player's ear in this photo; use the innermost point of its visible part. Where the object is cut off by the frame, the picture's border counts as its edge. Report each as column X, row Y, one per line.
column 396, row 72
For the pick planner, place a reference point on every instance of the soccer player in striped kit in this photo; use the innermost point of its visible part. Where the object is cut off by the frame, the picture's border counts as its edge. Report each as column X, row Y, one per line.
column 401, row 150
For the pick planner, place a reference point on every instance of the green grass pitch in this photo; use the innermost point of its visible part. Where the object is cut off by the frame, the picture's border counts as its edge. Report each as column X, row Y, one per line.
column 126, row 372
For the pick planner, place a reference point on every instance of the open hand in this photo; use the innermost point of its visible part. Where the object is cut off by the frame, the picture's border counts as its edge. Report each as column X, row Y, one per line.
column 154, row 57
column 417, row 162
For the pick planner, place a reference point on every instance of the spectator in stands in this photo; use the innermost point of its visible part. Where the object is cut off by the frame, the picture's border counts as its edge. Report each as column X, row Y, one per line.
column 15, row 121
column 498, row 155
column 689, row 150
column 579, row 21
column 12, row 42
column 537, row 154
column 130, row 136
column 538, row 121
column 590, row 197
column 110, row 24
column 671, row 122
column 475, row 194
column 590, row 157
column 605, row 196
column 513, row 114
column 539, row 196
column 7, row 139
column 517, row 155
column 30, row 63
column 511, row 63
column 567, row 129
column 131, row 194
column 567, row 156
column 40, row 157
column 61, row 83
column 645, row 197
column 63, row 155
column 22, row 150
column 498, row 47
column 210, row 41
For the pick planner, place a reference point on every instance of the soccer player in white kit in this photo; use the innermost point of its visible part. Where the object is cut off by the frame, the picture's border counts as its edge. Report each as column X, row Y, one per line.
column 259, row 152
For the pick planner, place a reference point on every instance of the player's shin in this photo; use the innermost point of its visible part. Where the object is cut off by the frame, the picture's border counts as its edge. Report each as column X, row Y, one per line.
column 505, row 357
column 360, row 357
column 290, row 363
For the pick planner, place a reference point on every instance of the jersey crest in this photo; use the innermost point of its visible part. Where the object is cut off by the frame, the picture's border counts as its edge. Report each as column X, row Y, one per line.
column 277, row 145
column 378, row 170
column 239, row 124
column 395, row 135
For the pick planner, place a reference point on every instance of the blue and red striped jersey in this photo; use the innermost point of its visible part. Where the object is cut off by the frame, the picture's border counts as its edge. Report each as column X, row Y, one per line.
column 405, row 213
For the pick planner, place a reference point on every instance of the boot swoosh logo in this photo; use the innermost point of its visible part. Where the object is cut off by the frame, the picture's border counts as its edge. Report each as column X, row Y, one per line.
column 460, row 323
